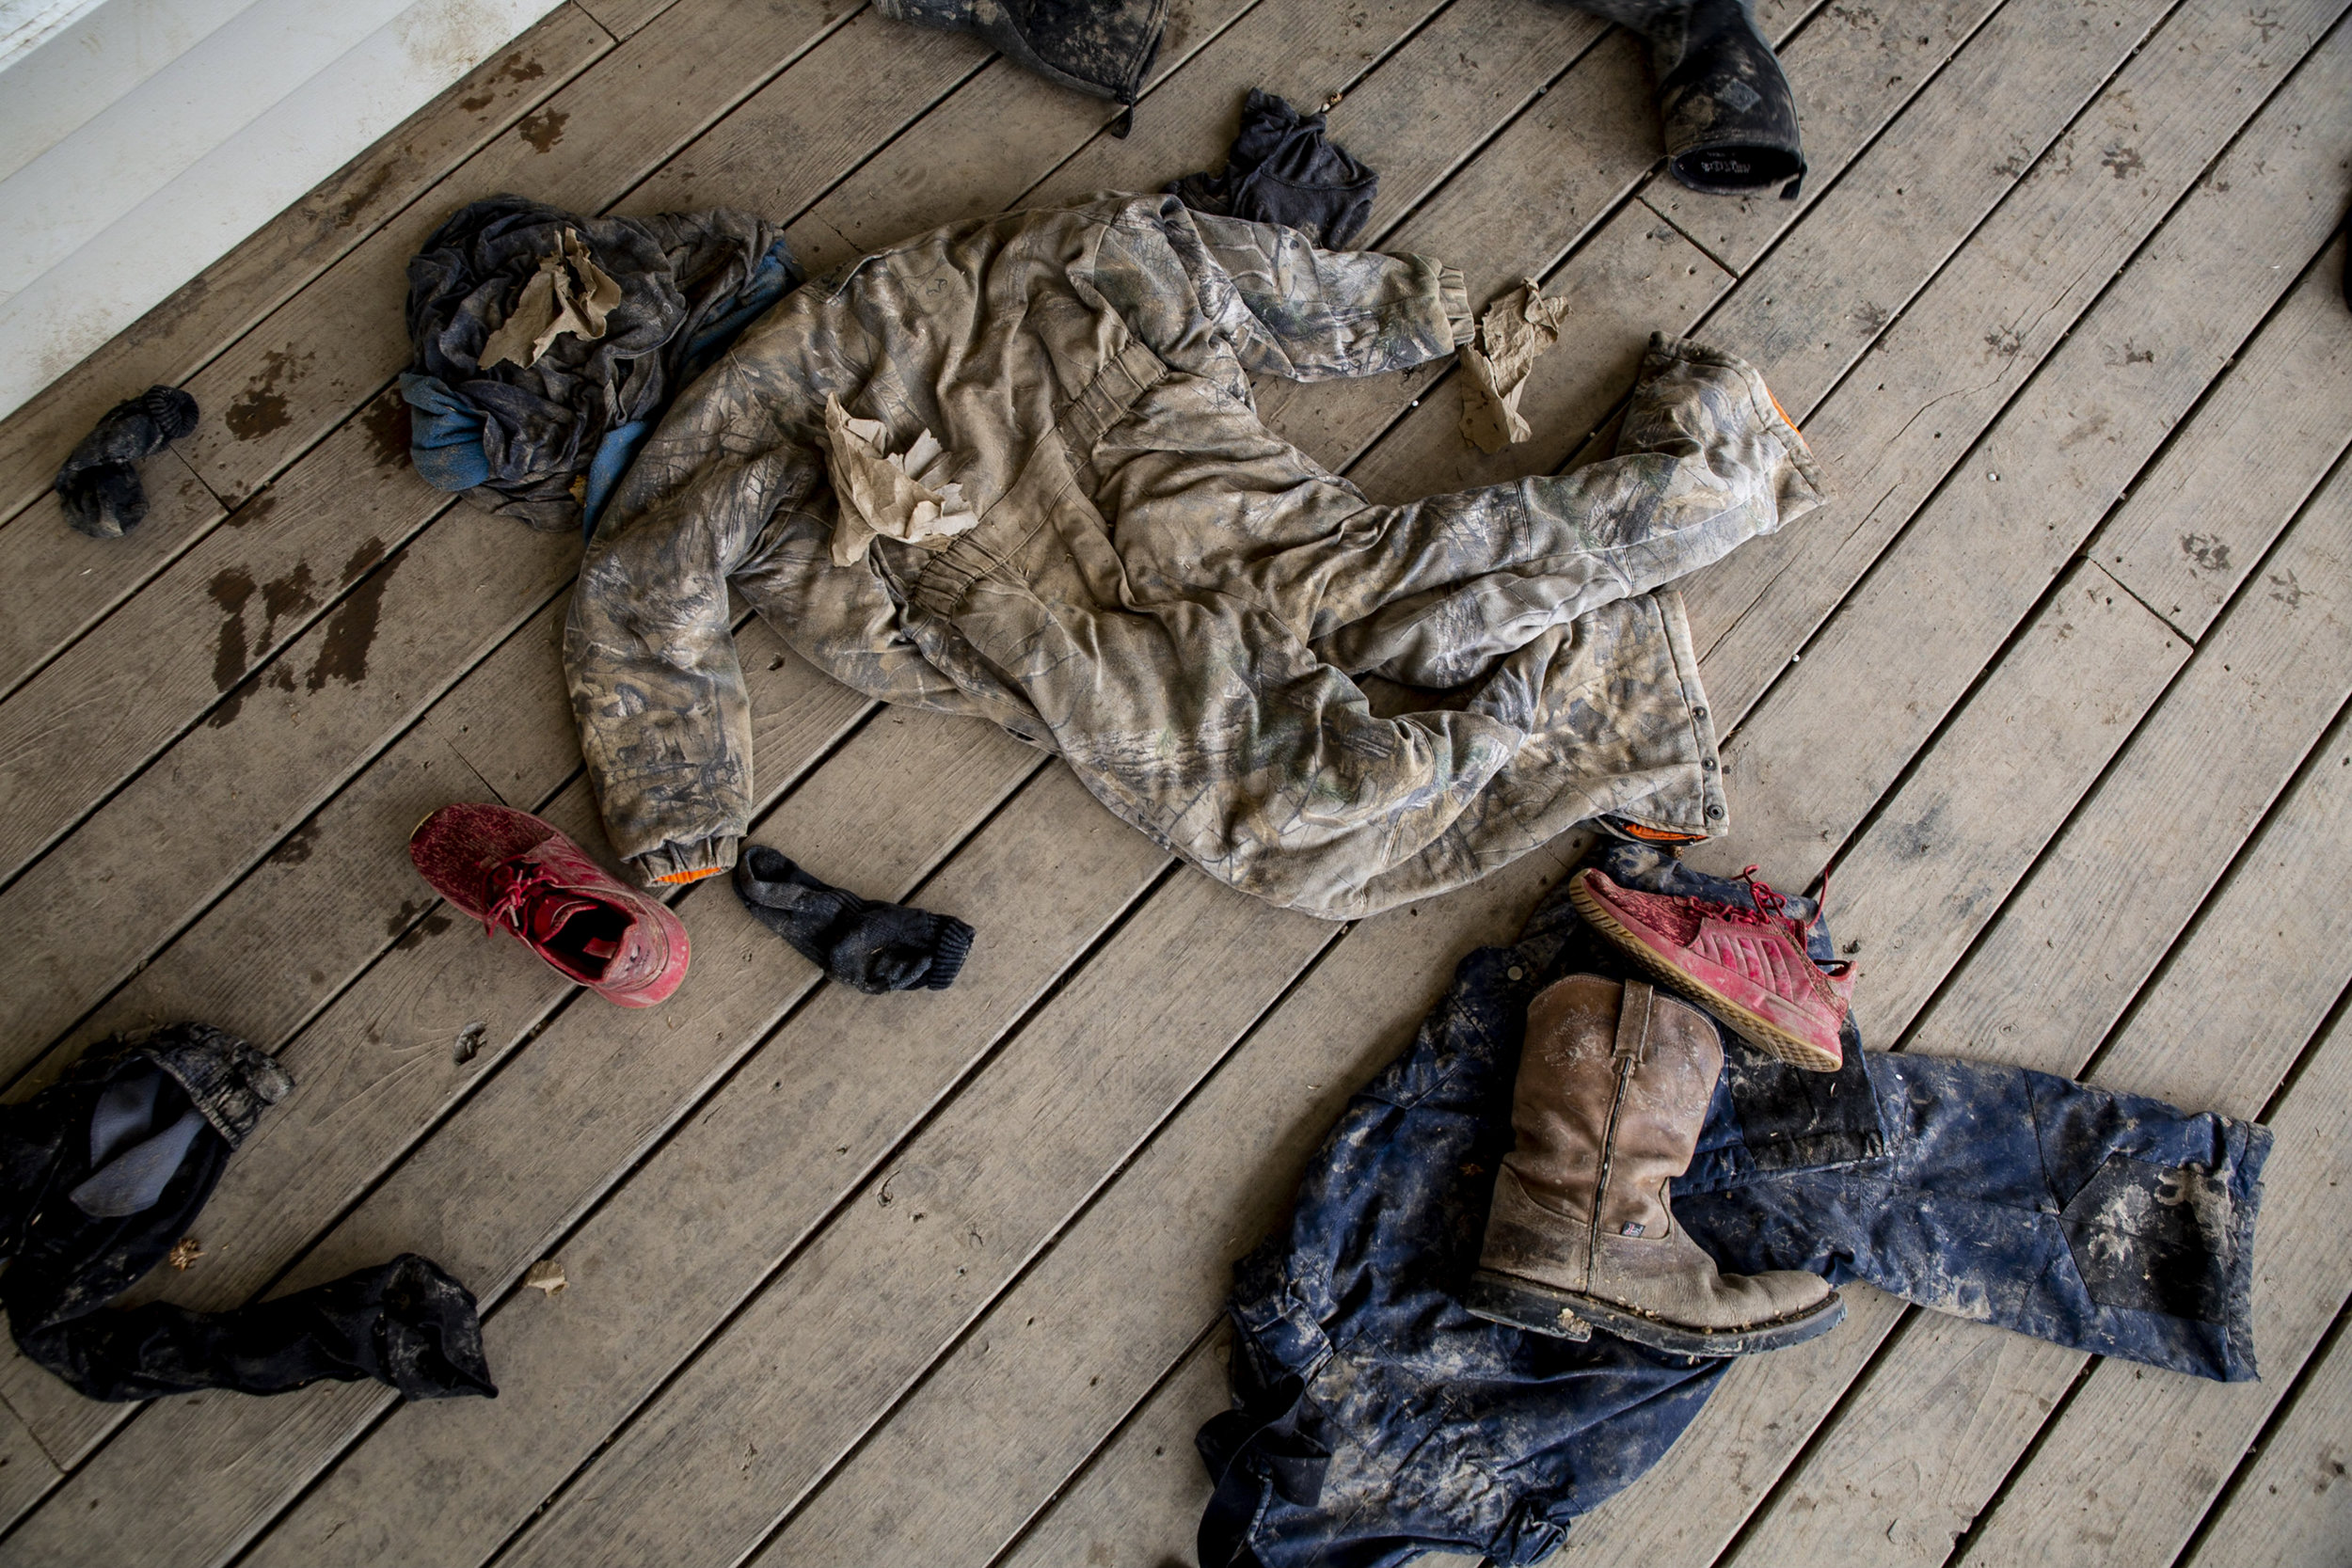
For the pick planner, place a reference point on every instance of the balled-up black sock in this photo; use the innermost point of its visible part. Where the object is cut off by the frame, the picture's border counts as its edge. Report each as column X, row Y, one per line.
column 874, row 947
column 100, row 483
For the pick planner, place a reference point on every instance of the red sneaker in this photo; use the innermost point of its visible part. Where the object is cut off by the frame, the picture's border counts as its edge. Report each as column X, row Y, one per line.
column 513, row 872
column 1748, row 966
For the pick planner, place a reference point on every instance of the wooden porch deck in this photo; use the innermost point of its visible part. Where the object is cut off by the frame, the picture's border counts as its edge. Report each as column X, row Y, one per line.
column 2061, row 681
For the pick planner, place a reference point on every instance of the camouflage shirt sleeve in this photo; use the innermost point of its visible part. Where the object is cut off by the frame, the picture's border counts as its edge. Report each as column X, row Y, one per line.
column 1281, row 306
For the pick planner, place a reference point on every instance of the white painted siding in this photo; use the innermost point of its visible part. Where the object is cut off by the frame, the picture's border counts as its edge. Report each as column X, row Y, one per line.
column 92, row 62
column 265, row 99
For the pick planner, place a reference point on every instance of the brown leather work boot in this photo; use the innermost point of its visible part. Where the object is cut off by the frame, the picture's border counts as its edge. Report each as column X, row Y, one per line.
column 1612, row 1087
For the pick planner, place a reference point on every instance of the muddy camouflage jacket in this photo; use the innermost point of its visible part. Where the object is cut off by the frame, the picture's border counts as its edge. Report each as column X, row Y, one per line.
column 1146, row 581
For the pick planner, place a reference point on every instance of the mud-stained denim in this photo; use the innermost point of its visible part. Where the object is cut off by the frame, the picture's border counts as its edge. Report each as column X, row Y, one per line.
column 1159, row 589
column 1377, row 1418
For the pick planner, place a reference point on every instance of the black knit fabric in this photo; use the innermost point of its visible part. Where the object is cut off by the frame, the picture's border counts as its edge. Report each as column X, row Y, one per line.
column 1285, row 168
column 100, row 483
column 874, row 947
column 103, row 1173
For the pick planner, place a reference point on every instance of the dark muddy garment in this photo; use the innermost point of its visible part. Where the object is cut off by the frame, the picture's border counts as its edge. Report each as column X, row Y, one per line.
column 873, row 947
column 104, row 1173
column 100, row 482
column 1102, row 47
column 544, row 439
column 1377, row 1418
column 1285, row 168
column 1729, row 115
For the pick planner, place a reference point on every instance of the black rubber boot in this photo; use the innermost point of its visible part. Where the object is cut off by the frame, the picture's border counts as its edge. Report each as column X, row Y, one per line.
column 1100, row 47
column 1730, row 117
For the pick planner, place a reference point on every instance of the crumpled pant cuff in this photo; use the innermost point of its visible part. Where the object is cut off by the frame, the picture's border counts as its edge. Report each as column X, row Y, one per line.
column 673, row 863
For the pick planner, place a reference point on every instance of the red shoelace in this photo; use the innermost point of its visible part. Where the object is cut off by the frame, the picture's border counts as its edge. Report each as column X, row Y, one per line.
column 1769, row 906
column 515, row 899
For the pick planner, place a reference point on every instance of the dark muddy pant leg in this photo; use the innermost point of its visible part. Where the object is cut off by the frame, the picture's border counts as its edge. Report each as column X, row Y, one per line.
column 2107, row 1223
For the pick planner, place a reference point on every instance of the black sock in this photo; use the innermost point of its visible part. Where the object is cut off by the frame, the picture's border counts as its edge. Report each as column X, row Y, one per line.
column 99, row 485
column 874, row 947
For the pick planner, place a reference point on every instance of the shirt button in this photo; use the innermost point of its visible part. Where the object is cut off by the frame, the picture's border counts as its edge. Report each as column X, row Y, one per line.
column 1699, row 713
column 1516, row 973
column 1714, row 811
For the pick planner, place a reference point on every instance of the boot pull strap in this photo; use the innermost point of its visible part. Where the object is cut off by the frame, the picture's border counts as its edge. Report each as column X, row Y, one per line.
column 1633, row 1020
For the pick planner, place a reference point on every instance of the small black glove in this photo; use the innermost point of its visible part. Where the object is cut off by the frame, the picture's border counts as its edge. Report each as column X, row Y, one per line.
column 99, row 483
column 874, row 947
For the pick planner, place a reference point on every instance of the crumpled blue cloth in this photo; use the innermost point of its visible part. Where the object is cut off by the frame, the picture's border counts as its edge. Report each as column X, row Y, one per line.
column 548, row 442
column 136, row 1146
column 1375, row 1418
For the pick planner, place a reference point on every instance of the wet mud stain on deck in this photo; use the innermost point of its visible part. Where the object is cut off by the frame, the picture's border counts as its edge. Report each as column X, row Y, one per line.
column 351, row 630
column 514, row 70
column 229, row 589
column 544, row 129
column 298, row 845
column 406, row 938
column 348, row 210
column 262, row 408
column 385, row 422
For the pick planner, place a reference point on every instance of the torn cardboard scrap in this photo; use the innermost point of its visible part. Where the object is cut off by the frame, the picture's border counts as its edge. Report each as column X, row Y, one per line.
column 568, row 294
column 904, row 495
column 1515, row 329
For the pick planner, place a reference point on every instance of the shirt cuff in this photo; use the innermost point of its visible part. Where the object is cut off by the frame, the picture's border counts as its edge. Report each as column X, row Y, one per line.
column 675, row 864
column 1454, row 296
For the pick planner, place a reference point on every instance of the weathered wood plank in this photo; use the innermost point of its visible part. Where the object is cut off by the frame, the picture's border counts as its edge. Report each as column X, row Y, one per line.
column 598, row 1088
column 2213, row 504
column 2264, row 685
column 1528, row 201
column 1138, row 1503
column 234, row 969
column 660, row 1266
column 735, row 163
column 1125, row 1291
column 181, row 831
column 2094, row 1492
column 1914, row 405
column 986, row 147
column 623, row 17
column 26, row 1473
column 2025, row 73
column 116, row 700
column 176, row 339
column 2292, row 1508
column 860, row 1313
column 1974, row 558
column 63, row 582
column 1842, row 113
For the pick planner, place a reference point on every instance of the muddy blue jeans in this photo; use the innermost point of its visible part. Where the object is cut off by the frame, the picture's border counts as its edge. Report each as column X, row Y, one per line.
column 1376, row 1419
